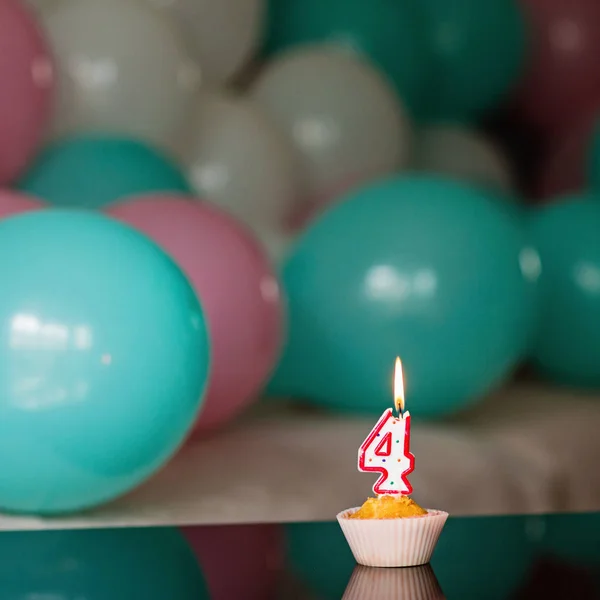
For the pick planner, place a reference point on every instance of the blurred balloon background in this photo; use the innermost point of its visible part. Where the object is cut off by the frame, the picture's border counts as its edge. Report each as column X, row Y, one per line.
column 294, row 192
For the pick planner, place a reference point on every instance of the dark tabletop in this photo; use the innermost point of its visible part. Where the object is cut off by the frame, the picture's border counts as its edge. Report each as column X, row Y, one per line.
column 491, row 558
column 487, row 558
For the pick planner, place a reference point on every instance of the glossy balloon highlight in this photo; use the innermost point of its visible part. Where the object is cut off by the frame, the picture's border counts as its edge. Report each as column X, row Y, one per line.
column 567, row 344
column 103, row 362
column 419, row 267
column 94, row 171
column 237, row 287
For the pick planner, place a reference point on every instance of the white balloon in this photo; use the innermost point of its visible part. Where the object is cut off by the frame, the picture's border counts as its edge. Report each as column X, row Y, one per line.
column 344, row 118
column 237, row 158
column 462, row 154
column 122, row 67
column 224, row 34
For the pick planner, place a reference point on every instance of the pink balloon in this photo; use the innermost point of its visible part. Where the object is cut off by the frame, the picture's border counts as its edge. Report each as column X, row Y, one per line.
column 564, row 169
column 237, row 288
column 563, row 75
column 26, row 81
column 14, row 203
column 239, row 561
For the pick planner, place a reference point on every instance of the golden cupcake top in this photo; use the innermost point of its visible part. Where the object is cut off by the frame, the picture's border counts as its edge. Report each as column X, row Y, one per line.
column 389, row 507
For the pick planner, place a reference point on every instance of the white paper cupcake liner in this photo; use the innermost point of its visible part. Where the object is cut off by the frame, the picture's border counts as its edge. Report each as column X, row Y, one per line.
column 404, row 542
column 416, row 583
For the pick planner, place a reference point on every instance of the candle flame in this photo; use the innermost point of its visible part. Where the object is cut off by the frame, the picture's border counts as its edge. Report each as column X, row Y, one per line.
column 398, row 386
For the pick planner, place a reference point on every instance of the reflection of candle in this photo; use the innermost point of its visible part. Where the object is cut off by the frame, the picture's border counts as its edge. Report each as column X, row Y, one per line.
column 386, row 450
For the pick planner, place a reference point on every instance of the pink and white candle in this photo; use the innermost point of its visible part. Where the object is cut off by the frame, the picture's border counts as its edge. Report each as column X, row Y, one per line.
column 386, row 450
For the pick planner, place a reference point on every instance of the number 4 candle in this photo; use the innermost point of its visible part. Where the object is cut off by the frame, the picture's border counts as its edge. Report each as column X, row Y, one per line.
column 386, row 450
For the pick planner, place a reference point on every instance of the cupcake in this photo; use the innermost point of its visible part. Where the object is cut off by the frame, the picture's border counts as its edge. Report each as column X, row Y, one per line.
column 392, row 531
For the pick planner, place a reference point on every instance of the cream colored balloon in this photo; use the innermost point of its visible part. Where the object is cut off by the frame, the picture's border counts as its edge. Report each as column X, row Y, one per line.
column 462, row 154
column 224, row 34
column 275, row 242
column 342, row 115
column 237, row 158
column 122, row 67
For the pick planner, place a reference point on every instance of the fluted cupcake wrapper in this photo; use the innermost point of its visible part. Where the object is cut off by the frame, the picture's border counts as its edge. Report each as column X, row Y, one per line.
column 415, row 583
column 403, row 542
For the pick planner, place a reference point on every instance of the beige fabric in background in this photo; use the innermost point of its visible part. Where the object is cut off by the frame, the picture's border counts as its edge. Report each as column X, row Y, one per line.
column 528, row 449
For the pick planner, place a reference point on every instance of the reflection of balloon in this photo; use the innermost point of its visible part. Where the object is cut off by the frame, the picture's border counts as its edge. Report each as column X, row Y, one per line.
column 122, row 68
column 567, row 346
column 101, row 564
column 343, row 118
column 103, row 361
column 238, row 159
column 223, row 34
column 26, row 76
column 563, row 74
column 483, row 557
column 573, row 537
column 462, row 154
column 424, row 268
column 479, row 48
column 320, row 556
column 592, row 159
column 391, row 34
column 254, row 552
column 238, row 290
column 93, row 171
column 13, row 203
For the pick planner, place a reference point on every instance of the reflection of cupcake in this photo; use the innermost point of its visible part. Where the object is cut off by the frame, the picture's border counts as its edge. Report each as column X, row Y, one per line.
column 417, row 583
column 392, row 531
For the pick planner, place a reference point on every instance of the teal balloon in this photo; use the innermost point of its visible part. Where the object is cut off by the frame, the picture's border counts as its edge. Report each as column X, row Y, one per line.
column 103, row 564
column 479, row 50
column 319, row 556
column 389, row 33
column 567, row 342
column 486, row 557
column 95, row 171
column 104, row 357
column 434, row 271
